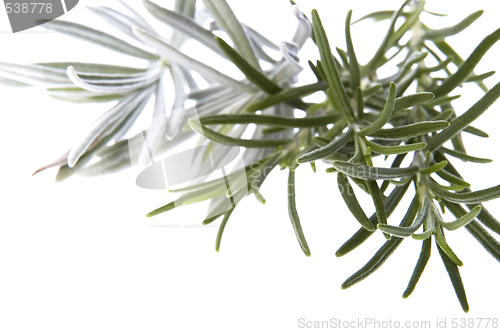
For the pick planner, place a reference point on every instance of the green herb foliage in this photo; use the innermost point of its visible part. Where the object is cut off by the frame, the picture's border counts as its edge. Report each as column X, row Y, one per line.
column 364, row 118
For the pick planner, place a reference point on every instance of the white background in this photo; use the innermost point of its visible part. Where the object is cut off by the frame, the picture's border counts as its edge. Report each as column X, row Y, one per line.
column 81, row 256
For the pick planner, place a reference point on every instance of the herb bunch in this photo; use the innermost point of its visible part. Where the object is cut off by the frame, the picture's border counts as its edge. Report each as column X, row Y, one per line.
column 363, row 118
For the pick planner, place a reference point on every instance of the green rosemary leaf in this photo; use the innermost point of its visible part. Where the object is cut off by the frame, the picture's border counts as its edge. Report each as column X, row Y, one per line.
column 321, row 71
column 477, row 132
column 444, row 115
column 445, row 175
column 467, row 67
column 362, row 234
column 262, row 119
column 353, row 61
column 473, row 197
column 226, row 140
column 384, row 252
column 332, row 76
column 225, row 18
column 385, row 115
column 453, row 30
column 435, row 14
column 443, row 245
column 438, row 67
column 461, row 122
column 481, row 77
column 377, row 16
column 99, row 38
column 423, row 258
column 455, row 278
column 165, row 208
column 315, row 71
column 397, row 149
column 463, row 220
column 183, row 24
column 292, row 211
column 408, row 101
column 441, row 100
column 465, row 157
column 352, row 203
column 252, row 74
column 452, row 187
column 210, row 220
column 433, row 168
column 313, row 166
column 344, row 57
column 260, row 198
column 183, row 60
column 287, row 95
column 328, row 149
column 373, row 173
column 354, row 241
column 221, row 229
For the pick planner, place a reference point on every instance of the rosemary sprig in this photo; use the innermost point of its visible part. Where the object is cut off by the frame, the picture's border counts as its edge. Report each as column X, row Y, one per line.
column 362, row 118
